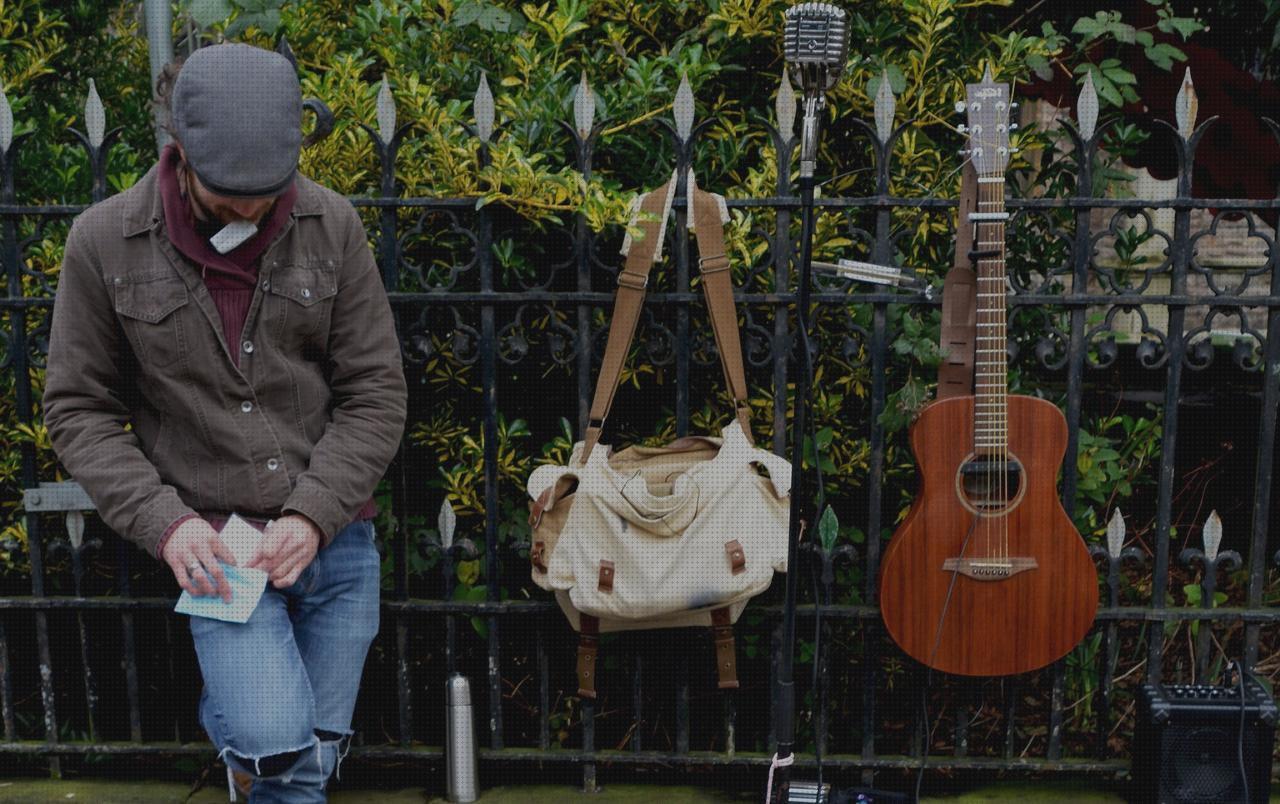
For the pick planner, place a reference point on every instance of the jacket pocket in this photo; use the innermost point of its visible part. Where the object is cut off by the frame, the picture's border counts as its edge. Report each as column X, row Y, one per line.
column 302, row 297
column 147, row 307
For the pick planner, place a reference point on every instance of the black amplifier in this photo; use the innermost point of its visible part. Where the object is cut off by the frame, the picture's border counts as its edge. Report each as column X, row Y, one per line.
column 1188, row 743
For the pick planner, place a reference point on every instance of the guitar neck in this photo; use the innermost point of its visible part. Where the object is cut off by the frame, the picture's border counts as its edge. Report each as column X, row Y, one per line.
column 991, row 423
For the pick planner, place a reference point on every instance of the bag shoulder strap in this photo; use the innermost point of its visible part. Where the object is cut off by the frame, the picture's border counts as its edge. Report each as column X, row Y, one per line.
column 634, row 279
column 717, row 287
column 959, row 304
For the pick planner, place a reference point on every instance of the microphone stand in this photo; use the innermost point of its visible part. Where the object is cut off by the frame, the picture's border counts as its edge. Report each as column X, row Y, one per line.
column 785, row 702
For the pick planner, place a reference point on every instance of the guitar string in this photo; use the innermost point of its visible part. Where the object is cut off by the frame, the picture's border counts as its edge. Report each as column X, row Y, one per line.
column 994, row 419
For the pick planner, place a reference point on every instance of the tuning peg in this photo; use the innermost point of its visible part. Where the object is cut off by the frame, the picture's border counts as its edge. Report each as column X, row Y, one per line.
column 1013, row 126
column 964, row 152
column 961, row 106
column 1013, row 107
column 962, row 128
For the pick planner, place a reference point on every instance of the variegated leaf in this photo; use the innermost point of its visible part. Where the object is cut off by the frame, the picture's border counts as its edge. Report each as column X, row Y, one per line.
column 386, row 106
column 448, row 522
column 584, row 107
column 1212, row 536
column 6, row 123
column 1087, row 108
column 885, row 106
column 1115, row 533
column 785, row 106
column 95, row 117
column 682, row 109
column 484, row 109
column 1187, row 106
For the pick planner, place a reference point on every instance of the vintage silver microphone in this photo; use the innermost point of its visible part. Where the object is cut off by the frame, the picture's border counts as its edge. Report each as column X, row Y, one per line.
column 816, row 47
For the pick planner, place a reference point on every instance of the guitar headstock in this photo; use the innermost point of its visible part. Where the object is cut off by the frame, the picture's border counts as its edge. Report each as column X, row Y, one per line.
column 988, row 106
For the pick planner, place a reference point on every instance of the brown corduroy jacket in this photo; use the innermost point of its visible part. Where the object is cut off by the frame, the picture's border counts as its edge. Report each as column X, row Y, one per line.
column 146, row 409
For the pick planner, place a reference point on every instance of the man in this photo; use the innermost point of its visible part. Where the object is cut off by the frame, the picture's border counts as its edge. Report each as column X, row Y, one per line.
column 222, row 344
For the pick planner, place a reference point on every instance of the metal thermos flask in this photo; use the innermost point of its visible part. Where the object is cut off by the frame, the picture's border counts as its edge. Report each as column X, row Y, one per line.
column 460, row 742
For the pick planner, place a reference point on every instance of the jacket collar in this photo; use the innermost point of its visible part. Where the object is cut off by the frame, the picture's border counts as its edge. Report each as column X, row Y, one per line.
column 144, row 209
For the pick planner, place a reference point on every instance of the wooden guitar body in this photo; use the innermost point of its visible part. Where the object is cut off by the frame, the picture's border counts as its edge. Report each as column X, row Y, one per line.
column 1025, row 588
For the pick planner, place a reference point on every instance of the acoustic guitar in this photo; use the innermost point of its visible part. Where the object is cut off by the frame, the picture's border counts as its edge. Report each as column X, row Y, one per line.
column 987, row 576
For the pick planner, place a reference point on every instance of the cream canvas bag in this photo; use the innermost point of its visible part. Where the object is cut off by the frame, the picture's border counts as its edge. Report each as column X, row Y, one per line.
column 663, row 537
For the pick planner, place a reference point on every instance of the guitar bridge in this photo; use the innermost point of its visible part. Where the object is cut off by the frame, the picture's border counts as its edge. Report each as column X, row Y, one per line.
column 989, row 569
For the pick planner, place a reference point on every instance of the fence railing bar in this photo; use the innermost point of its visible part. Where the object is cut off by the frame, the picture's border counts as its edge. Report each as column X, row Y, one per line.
column 1010, row 706
column 1057, row 702
column 544, row 684
column 130, row 647
column 682, row 698
column 87, row 674
column 172, row 678
column 6, row 685
column 588, row 746
column 966, row 699
column 1264, row 479
column 601, row 299
column 637, row 703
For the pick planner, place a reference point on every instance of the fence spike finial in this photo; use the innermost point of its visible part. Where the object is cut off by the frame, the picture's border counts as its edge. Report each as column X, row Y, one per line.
column 584, row 107
column 682, row 109
column 484, row 109
column 447, row 523
column 785, row 105
column 386, row 106
column 1187, row 106
column 1087, row 108
column 95, row 117
column 885, row 107
column 6, row 123
column 1115, row 533
column 1212, row 535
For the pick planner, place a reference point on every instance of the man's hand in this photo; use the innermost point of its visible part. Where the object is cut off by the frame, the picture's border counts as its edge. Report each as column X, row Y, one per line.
column 289, row 546
column 193, row 552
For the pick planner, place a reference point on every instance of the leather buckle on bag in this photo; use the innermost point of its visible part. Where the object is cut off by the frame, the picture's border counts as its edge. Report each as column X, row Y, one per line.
column 587, row 645
column 726, row 656
column 713, row 264
column 737, row 559
column 633, row 281
column 538, row 507
column 606, row 575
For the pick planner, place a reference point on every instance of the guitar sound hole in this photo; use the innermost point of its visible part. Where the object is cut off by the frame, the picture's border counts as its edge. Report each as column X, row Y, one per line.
column 990, row 485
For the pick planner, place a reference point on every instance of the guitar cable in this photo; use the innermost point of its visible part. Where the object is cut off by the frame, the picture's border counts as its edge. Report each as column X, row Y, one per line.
column 928, row 677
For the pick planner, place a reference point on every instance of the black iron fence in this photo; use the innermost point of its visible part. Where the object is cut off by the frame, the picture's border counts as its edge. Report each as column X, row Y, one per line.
column 93, row 662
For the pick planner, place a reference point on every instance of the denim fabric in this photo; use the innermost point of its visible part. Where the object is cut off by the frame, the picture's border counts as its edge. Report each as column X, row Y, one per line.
column 286, row 680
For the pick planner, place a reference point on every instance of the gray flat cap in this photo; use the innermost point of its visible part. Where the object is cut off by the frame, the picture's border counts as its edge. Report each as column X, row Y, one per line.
column 237, row 111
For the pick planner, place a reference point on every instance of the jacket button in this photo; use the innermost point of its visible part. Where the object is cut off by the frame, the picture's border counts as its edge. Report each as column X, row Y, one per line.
column 306, row 293
column 246, row 406
column 272, row 465
column 266, row 285
column 248, row 347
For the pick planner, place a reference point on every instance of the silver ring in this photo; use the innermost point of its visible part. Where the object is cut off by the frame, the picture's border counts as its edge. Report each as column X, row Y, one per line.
column 191, row 568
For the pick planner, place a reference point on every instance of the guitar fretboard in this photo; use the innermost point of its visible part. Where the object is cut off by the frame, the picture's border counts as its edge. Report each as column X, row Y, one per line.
column 990, row 354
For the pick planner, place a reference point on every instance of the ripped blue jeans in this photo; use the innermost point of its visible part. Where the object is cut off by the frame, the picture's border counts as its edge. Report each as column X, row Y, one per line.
column 280, row 689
